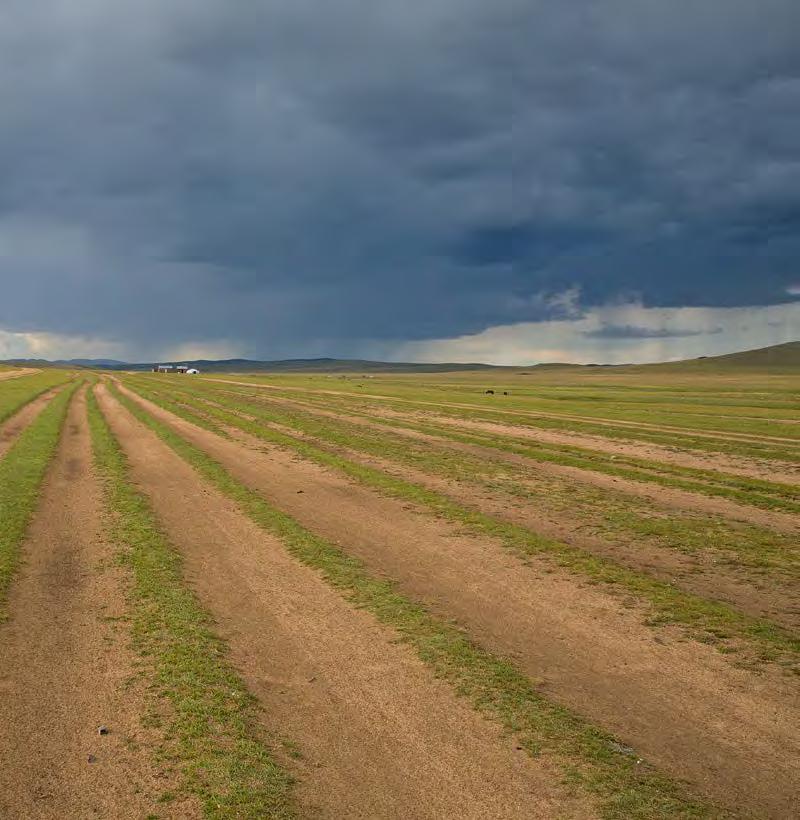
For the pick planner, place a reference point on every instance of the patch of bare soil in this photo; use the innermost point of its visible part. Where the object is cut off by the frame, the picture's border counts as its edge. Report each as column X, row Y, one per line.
column 680, row 704
column 752, row 468
column 664, row 497
column 12, row 427
column 379, row 736
column 66, row 668
column 15, row 374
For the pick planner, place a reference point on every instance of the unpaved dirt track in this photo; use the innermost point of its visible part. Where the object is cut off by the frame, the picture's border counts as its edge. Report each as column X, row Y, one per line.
column 679, row 703
column 14, row 374
column 734, row 465
column 64, row 664
column 701, row 573
column 664, row 497
column 380, row 737
column 13, row 426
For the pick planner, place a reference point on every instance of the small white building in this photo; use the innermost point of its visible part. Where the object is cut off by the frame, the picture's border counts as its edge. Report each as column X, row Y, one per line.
column 192, row 371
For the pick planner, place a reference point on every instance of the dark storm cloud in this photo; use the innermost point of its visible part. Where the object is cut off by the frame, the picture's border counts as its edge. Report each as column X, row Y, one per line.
column 297, row 177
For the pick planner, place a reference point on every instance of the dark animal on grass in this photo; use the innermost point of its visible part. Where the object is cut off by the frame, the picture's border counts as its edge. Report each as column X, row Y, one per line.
column 490, row 392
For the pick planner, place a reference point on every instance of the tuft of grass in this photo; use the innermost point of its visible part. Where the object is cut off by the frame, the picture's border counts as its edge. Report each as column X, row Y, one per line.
column 625, row 787
column 710, row 621
column 22, row 471
column 211, row 730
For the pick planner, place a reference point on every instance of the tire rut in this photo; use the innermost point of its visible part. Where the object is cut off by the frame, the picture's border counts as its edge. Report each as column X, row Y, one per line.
column 66, row 666
column 14, row 426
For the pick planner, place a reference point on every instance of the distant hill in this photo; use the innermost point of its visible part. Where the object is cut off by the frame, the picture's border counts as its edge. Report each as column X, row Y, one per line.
column 785, row 355
column 777, row 358
column 784, row 358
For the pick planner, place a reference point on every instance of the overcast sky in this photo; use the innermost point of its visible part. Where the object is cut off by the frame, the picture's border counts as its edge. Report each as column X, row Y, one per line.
column 506, row 180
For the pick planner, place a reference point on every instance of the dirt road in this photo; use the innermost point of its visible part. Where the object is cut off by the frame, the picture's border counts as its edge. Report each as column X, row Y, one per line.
column 66, row 666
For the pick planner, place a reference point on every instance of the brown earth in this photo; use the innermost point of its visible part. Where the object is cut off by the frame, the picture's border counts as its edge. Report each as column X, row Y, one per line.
column 680, row 704
column 13, row 426
column 66, row 666
column 14, row 374
column 379, row 736
column 665, row 497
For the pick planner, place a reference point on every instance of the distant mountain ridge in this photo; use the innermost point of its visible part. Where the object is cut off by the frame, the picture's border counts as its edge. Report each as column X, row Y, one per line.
column 783, row 357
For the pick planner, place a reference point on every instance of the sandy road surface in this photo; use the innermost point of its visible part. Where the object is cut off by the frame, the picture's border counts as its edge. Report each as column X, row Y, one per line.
column 13, row 374
column 702, row 574
column 739, row 465
column 65, row 663
column 12, row 427
column 380, row 737
column 681, row 704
